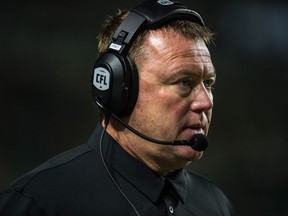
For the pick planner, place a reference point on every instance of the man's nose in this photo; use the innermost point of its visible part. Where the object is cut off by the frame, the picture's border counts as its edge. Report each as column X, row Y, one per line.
column 203, row 99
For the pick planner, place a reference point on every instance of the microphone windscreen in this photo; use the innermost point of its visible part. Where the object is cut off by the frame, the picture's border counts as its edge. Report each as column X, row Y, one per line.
column 199, row 142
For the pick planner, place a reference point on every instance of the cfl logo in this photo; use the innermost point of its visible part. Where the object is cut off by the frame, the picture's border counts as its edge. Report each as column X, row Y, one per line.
column 101, row 78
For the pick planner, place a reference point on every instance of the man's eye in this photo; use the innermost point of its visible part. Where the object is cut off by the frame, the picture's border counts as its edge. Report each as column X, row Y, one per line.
column 184, row 87
column 185, row 83
column 209, row 84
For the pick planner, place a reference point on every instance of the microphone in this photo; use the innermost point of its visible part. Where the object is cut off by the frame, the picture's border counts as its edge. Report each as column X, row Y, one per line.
column 198, row 142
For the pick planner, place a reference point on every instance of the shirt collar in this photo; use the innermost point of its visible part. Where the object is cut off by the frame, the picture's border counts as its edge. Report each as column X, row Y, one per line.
column 178, row 181
column 137, row 173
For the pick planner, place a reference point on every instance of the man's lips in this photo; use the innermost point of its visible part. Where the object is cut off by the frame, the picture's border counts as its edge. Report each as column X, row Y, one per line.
column 191, row 130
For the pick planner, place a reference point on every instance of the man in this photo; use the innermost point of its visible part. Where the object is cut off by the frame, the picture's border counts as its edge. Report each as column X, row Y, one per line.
column 153, row 82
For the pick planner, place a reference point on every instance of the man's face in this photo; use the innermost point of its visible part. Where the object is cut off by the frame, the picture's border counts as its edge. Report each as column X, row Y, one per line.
column 175, row 99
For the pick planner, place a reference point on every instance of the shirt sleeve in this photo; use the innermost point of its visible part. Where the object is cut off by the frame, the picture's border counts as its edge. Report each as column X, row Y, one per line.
column 13, row 203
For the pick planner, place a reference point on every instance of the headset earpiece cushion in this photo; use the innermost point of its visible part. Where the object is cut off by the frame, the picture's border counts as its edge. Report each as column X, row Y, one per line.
column 115, row 83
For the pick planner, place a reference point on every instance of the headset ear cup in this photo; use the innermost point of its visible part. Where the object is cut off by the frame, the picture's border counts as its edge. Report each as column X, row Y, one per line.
column 115, row 84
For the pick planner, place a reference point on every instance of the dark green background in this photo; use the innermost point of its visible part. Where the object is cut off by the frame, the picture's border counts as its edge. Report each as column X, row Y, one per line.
column 47, row 52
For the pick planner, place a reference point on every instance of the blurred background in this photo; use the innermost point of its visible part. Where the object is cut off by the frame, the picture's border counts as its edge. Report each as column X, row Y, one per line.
column 47, row 52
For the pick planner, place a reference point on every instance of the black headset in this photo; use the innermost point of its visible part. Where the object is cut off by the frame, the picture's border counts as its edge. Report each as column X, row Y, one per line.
column 115, row 77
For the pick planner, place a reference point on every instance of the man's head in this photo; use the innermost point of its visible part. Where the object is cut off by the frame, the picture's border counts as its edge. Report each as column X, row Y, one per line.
column 174, row 100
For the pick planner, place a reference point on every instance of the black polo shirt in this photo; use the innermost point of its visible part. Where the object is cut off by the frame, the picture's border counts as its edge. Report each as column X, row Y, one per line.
column 76, row 183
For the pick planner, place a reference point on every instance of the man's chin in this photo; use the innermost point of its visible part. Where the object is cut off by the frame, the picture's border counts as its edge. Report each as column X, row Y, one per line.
column 190, row 154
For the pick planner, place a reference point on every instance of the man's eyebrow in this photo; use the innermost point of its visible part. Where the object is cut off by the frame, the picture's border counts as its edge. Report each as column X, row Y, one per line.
column 193, row 73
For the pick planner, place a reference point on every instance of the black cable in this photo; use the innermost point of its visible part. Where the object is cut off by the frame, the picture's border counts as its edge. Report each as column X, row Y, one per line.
column 107, row 119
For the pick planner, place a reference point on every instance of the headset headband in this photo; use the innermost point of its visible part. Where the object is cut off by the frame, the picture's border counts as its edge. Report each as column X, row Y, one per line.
column 149, row 15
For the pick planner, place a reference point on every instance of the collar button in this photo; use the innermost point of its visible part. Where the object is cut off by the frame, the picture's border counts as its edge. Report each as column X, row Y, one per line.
column 171, row 209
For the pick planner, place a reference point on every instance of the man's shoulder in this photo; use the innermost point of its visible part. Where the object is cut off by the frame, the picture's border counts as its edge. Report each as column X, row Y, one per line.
column 66, row 178
column 56, row 167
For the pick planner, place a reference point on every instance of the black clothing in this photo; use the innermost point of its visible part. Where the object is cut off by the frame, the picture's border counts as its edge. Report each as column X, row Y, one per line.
column 76, row 183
